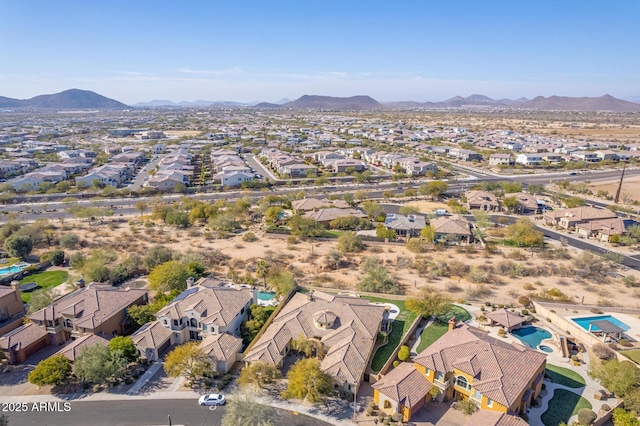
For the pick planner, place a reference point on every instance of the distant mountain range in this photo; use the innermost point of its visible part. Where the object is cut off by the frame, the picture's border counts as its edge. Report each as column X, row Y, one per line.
column 69, row 99
column 84, row 99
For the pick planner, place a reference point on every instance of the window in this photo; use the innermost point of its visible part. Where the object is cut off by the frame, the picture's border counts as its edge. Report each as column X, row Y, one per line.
column 204, row 327
column 387, row 403
column 427, row 372
column 175, row 323
column 67, row 323
column 439, row 376
column 242, row 310
column 461, row 381
column 194, row 323
column 114, row 333
column 489, row 402
column 477, row 395
column 165, row 322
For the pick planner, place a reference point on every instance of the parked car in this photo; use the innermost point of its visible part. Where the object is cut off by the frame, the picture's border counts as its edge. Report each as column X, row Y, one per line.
column 212, row 399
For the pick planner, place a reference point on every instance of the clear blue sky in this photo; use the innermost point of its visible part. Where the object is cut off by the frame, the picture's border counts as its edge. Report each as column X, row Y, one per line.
column 139, row 50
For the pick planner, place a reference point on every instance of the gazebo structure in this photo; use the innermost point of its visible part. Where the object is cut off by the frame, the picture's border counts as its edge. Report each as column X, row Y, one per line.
column 507, row 319
column 606, row 328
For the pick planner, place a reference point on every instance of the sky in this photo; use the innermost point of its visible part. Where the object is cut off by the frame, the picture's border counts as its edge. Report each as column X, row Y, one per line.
column 392, row 50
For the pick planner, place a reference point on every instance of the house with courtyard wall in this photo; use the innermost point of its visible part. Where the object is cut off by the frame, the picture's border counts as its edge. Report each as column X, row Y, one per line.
column 465, row 364
column 343, row 329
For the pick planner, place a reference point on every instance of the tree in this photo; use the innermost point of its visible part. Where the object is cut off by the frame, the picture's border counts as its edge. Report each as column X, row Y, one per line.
column 524, row 233
column 371, row 208
column 429, row 303
column 189, row 361
column 535, row 188
column 406, row 210
column 283, row 282
column 39, row 299
column 435, row 189
column 262, row 270
column 349, row 199
column 243, row 410
column 572, row 202
column 378, row 280
column 305, row 227
column 586, row 416
column 618, row 377
column 177, row 218
column 258, row 374
column 404, row 353
column 54, row 370
column 155, row 256
column 18, row 245
column 382, row 232
column 272, row 214
column 141, row 314
column 387, row 195
column 632, row 400
column 125, row 345
column 349, row 242
column 510, row 203
column 350, row 223
column 307, row 381
column 56, row 257
column 98, row 364
column 361, row 195
column 622, row 417
column 141, row 206
column 69, row 241
column 169, row 276
column 483, row 220
column 428, row 233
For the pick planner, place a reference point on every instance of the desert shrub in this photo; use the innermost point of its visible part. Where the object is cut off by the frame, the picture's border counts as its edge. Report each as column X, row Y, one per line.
column 586, row 416
column 404, row 353
column 630, row 281
column 502, row 332
column 466, row 406
column 249, row 237
column 603, row 352
column 475, row 292
column 417, row 245
column 396, row 363
column 458, row 268
column 524, row 301
column 69, row 241
column 517, row 255
column 478, row 275
column 292, row 239
column 605, row 407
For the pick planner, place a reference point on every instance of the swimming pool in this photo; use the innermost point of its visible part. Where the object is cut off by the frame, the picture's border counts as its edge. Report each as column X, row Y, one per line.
column 12, row 269
column 531, row 336
column 586, row 321
column 266, row 295
column 546, row 349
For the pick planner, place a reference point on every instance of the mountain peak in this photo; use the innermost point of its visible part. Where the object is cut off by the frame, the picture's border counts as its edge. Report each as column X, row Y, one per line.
column 334, row 103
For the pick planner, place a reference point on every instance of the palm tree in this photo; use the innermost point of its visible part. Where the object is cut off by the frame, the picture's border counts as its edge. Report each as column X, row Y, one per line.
column 262, row 270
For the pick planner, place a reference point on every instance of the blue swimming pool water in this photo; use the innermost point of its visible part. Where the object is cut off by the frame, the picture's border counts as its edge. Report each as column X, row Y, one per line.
column 546, row 349
column 584, row 322
column 531, row 336
column 10, row 269
column 266, row 295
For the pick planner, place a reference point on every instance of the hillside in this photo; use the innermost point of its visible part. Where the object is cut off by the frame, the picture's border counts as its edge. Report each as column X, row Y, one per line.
column 563, row 103
column 460, row 102
column 333, row 103
column 69, row 99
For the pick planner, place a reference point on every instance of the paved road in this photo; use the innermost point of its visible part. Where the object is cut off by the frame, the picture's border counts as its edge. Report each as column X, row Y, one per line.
column 142, row 413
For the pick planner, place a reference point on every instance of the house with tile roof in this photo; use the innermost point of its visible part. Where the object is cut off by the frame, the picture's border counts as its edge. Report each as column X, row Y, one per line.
column 74, row 347
column 24, row 341
column 343, row 328
column 209, row 311
column 465, row 363
column 453, row 228
column 505, row 318
column 569, row 218
column 326, row 215
column 409, row 225
column 605, row 229
column 94, row 309
column 11, row 307
column 482, row 200
column 494, row 418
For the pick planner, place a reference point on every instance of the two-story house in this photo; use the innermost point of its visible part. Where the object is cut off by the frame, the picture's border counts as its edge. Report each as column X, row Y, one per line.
column 94, row 309
column 11, row 307
column 210, row 312
column 465, row 364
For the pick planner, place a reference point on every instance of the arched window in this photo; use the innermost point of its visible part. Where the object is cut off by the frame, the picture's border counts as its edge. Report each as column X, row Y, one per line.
column 387, row 403
column 462, row 382
column 194, row 322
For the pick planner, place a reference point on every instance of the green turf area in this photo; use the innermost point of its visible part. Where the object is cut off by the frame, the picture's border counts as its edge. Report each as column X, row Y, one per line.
column 564, row 376
column 333, row 233
column 46, row 280
column 439, row 327
column 632, row 354
column 562, row 406
column 400, row 327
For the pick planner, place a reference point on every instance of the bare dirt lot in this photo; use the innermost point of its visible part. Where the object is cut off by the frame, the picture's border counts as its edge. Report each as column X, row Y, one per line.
column 465, row 273
column 630, row 187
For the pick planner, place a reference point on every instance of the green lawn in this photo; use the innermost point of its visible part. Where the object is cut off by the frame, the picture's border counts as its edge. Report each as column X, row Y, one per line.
column 632, row 354
column 564, row 376
column 400, row 327
column 46, row 280
column 438, row 328
column 333, row 233
column 562, row 406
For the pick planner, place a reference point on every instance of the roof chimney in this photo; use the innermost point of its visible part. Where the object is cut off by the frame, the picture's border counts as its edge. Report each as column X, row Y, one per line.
column 15, row 285
column 452, row 323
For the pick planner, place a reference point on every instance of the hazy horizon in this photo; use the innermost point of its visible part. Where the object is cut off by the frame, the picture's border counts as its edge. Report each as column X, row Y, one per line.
column 419, row 51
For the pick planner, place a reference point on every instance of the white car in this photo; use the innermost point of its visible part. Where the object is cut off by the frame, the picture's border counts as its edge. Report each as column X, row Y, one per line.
column 212, row 399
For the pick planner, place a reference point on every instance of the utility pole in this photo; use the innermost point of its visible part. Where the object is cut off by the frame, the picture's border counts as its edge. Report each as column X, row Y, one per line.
column 620, row 185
